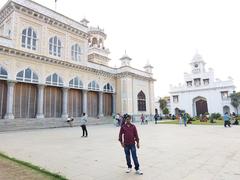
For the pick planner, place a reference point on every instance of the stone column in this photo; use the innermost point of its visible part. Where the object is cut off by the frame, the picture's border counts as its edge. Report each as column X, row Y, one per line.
column 100, row 104
column 65, row 103
column 114, row 104
column 40, row 101
column 85, row 101
column 10, row 94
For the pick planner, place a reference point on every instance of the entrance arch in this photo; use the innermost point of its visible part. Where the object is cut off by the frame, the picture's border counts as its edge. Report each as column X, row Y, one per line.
column 200, row 106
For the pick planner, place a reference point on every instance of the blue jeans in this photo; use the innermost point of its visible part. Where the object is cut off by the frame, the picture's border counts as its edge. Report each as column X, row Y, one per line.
column 132, row 148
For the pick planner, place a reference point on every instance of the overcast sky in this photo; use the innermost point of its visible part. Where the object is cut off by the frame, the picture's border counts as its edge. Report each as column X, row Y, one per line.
column 166, row 32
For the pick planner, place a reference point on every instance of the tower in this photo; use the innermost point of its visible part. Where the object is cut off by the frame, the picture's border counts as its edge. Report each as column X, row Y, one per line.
column 97, row 53
column 198, row 64
column 148, row 67
column 125, row 60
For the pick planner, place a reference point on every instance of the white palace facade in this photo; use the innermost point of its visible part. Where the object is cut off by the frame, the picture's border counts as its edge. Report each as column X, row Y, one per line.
column 201, row 93
column 52, row 66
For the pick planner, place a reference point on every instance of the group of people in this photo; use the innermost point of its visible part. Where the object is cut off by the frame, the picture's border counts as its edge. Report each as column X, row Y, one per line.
column 228, row 118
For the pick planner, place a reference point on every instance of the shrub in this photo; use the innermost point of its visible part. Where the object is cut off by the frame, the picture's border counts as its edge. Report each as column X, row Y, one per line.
column 216, row 116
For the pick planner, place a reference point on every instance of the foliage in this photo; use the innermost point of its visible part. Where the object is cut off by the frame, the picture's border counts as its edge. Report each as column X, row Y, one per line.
column 163, row 104
column 216, row 116
column 235, row 100
column 165, row 111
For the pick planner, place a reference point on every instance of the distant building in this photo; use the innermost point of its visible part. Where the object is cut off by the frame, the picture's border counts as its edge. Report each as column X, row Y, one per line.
column 201, row 93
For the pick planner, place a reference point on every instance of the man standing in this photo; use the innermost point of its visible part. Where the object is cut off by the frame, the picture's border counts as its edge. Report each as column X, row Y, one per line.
column 185, row 119
column 83, row 125
column 226, row 118
column 127, row 137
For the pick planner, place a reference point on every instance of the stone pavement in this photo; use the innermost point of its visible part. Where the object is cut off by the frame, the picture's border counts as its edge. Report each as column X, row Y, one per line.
column 167, row 152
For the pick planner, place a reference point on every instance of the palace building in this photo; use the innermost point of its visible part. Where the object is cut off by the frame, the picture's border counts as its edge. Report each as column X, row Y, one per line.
column 201, row 93
column 52, row 66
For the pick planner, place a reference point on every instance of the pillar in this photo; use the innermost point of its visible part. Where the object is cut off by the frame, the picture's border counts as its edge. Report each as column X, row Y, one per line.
column 114, row 104
column 10, row 93
column 40, row 101
column 100, row 104
column 65, row 103
column 85, row 101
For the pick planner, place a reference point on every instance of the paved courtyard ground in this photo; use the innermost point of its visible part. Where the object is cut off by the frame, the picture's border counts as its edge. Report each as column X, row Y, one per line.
column 167, row 152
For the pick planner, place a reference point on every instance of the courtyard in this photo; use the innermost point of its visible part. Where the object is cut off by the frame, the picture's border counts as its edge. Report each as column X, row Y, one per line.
column 167, row 152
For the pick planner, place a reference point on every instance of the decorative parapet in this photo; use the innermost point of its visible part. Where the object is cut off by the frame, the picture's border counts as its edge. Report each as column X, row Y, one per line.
column 213, row 85
column 102, row 52
column 97, row 30
column 44, row 14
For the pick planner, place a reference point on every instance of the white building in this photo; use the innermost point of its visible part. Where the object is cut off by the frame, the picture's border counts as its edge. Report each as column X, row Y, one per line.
column 200, row 92
column 52, row 66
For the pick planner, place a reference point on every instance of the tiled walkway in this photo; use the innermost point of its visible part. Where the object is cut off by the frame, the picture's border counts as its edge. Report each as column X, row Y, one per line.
column 167, row 152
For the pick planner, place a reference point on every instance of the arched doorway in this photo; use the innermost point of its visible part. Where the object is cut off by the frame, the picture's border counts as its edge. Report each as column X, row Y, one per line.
column 226, row 109
column 200, row 106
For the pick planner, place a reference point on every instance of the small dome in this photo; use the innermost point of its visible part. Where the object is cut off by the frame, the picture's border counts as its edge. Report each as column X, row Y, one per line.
column 197, row 58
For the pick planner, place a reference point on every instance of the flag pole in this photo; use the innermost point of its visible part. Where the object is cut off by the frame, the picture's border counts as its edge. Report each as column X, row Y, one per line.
column 55, row 5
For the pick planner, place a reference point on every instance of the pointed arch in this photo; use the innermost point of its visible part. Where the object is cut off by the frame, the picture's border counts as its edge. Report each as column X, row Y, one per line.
column 93, row 86
column 54, row 79
column 3, row 73
column 29, row 38
column 27, row 75
column 108, row 88
column 76, row 83
column 141, row 98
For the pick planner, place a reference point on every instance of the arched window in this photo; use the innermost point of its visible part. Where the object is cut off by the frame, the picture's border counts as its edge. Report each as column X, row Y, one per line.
column 3, row 73
column 76, row 83
column 55, row 80
column 55, row 46
column 27, row 75
column 108, row 88
column 29, row 38
column 141, row 101
column 76, row 52
column 93, row 85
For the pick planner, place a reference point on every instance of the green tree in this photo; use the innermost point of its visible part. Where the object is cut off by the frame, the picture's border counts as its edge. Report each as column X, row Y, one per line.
column 163, row 103
column 165, row 111
column 235, row 100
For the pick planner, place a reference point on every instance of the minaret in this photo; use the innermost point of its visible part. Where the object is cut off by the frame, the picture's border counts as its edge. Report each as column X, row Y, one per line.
column 148, row 67
column 125, row 60
column 97, row 53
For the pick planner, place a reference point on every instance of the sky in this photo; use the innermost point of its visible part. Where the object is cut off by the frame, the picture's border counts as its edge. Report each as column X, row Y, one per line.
column 167, row 33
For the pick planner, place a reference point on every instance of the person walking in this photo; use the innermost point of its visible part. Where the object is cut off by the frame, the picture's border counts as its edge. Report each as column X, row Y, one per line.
column 142, row 119
column 83, row 122
column 185, row 119
column 156, row 116
column 226, row 118
column 128, row 136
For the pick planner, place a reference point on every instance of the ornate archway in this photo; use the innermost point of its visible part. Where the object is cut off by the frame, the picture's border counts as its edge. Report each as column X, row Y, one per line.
column 200, row 106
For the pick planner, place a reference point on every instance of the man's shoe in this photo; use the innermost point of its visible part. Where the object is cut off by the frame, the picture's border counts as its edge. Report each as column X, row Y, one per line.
column 128, row 170
column 139, row 172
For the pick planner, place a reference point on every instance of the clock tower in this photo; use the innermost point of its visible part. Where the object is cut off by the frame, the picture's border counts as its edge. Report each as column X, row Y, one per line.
column 198, row 64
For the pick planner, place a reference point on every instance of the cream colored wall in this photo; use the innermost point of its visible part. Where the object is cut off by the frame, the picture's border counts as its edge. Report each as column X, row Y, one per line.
column 141, row 85
column 13, row 65
column 44, row 33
